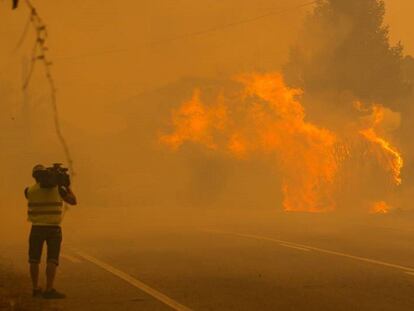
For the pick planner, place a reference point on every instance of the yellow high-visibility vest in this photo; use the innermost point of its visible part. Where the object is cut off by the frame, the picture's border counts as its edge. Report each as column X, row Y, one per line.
column 45, row 205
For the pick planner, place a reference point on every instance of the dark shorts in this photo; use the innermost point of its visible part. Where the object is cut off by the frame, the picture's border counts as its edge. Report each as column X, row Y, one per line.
column 52, row 235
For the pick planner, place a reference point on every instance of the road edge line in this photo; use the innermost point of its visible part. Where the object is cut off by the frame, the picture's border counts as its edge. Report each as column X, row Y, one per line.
column 71, row 258
column 134, row 282
column 405, row 269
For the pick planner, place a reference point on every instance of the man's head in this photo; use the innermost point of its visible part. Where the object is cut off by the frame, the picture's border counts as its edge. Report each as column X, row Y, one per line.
column 37, row 171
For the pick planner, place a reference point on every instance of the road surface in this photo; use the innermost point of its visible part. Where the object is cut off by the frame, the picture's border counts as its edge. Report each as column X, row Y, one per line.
column 238, row 267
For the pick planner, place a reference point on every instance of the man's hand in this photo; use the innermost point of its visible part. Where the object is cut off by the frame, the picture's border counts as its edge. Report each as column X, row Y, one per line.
column 67, row 195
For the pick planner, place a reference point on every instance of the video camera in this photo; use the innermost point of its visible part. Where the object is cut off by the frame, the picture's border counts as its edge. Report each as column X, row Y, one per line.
column 53, row 176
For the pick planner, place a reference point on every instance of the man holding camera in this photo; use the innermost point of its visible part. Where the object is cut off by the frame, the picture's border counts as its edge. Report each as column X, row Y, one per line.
column 45, row 210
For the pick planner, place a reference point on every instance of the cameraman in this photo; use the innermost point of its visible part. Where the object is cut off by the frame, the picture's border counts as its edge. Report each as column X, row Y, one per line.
column 45, row 211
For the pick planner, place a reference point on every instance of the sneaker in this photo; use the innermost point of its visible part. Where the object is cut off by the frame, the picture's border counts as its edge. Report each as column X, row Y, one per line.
column 37, row 292
column 53, row 294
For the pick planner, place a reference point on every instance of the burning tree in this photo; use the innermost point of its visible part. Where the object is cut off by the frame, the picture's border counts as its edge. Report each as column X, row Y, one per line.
column 266, row 120
column 344, row 55
column 343, row 157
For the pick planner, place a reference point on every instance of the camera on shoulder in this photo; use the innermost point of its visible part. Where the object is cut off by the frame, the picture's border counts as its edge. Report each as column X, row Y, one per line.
column 53, row 176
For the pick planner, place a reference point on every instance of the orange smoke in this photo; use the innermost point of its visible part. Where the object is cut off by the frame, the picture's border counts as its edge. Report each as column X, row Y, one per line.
column 267, row 120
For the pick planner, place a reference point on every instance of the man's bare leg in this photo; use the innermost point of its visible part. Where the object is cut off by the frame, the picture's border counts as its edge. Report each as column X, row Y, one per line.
column 50, row 275
column 34, row 274
column 50, row 292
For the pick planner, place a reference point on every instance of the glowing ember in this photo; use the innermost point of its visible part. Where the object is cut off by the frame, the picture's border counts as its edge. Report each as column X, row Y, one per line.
column 380, row 208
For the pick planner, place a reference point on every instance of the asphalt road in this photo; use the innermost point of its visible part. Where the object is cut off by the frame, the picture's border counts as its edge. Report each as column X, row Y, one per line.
column 238, row 267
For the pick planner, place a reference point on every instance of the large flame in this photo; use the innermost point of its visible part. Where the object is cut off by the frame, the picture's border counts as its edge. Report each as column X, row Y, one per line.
column 385, row 152
column 197, row 123
column 267, row 120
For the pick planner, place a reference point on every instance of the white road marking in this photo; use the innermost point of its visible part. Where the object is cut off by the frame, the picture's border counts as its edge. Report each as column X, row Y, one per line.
column 134, row 282
column 71, row 258
column 295, row 247
column 408, row 270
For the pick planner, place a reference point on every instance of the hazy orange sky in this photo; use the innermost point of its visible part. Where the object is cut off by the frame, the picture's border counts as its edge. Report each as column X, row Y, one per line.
column 399, row 17
column 102, row 57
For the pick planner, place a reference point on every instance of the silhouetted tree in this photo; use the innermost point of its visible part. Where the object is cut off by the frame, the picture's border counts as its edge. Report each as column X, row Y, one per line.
column 408, row 69
column 344, row 47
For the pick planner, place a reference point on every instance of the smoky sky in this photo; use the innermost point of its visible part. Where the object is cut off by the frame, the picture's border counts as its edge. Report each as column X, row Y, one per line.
column 102, row 56
column 110, row 80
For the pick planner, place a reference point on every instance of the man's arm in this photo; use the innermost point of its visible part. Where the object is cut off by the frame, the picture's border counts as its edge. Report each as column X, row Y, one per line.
column 67, row 195
column 25, row 192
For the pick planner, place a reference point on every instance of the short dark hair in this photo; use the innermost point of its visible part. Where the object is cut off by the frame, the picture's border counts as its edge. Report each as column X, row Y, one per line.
column 37, row 171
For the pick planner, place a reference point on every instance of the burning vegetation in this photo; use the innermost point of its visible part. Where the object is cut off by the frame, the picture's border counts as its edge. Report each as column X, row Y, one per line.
column 265, row 119
column 385, row 152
